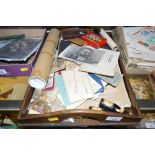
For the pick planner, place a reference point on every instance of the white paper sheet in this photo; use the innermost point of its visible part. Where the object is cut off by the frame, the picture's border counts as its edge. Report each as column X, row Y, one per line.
column 77, row 85
column 106, row 66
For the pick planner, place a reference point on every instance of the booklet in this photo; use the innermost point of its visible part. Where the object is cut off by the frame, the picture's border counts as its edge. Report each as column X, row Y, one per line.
column 106, row 65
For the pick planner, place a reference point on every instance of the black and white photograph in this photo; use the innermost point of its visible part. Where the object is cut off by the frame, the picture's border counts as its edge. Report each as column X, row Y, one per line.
column 80, row 55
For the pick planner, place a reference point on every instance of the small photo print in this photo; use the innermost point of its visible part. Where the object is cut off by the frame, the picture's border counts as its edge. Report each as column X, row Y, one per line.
column 82, row 54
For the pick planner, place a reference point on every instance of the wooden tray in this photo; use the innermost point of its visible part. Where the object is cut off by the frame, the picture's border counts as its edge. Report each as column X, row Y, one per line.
column 81, row 116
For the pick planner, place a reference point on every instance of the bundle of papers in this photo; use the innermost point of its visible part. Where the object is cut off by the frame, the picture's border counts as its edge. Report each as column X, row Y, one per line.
column 75, row 87
column 66, row 90
column 116, row 94
column 80, row 76
column 71, row 89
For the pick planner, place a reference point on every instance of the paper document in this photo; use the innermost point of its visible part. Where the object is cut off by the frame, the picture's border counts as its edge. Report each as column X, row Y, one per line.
column 58, row 64
column 100, row 61
column 114, row 81
column 71, row 65
column 62, row 90
column 64, row 93
column 97, row 80
column 77, row 85
column 106, row 65
column 145, row 38
column 117, row 95
column 71, row 105
column 97, row 84
column 84, row 54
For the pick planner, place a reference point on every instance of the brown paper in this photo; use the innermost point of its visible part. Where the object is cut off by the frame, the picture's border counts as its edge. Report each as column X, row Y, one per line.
column 41, row 71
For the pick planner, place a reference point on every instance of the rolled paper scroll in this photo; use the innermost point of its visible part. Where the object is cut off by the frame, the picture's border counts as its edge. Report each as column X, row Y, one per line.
column 110, row 42
column 42, row 68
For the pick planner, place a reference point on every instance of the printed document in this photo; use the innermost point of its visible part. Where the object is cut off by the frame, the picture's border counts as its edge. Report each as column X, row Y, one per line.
column 78, row 85
column 106, row 66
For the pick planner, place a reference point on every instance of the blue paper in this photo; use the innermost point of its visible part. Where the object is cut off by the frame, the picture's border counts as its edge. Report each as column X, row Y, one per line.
column 63, row 92
column 98, row 80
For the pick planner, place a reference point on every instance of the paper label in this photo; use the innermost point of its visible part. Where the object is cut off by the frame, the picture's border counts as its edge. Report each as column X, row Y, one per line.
column 112, row 118
column 3, row 72
column 150, row 125
column 53, row 119
column 24, row 69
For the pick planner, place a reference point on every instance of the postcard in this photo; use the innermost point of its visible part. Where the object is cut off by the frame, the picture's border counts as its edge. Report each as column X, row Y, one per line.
column 77, row 85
